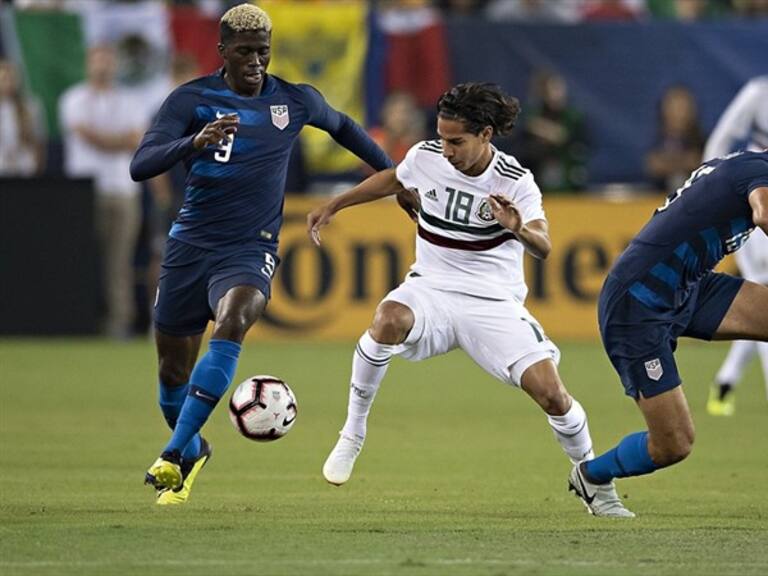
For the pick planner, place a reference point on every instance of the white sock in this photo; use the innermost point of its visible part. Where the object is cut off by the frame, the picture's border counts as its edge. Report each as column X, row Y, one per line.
column 572, row 431
column 369, row 364
column 739, row 356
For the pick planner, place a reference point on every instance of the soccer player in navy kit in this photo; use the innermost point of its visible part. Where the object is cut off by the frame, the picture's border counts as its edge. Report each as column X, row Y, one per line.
column 663, row 287
column 233, row 130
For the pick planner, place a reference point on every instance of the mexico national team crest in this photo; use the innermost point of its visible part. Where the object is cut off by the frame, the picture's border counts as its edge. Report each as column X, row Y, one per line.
column 654, row 370
column 484, row 211
column 280, row 116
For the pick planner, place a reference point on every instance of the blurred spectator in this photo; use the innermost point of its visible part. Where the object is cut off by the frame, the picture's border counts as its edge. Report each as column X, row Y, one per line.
column 534, row 10
column 554, row 143
column 679, row 142
column 144, row 69
column 22, row 146
column 402, row 125
column 102, row 125
column 613, row 10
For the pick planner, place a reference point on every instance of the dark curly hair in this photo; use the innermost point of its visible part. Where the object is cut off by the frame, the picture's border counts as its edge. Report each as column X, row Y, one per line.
column 480, row 104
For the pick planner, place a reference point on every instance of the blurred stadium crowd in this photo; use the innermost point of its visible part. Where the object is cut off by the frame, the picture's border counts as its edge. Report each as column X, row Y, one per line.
column 407, row 58
column 613, row 91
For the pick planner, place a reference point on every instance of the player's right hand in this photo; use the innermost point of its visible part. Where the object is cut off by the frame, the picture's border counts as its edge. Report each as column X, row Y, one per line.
column 316, row 219
column 216, row 131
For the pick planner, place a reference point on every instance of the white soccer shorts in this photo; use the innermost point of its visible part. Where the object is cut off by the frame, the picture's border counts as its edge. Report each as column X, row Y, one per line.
column 501, row 336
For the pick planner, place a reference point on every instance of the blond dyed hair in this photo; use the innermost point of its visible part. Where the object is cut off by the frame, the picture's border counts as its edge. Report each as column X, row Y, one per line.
column 246, row 18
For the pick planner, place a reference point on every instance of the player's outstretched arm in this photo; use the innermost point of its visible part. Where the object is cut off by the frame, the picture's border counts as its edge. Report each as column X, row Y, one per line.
column 758, row 200
column 379, row 185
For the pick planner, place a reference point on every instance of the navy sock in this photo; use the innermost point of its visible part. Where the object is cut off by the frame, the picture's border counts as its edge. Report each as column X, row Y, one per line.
column 171, row 400
column 209, row 381
column 629, row 458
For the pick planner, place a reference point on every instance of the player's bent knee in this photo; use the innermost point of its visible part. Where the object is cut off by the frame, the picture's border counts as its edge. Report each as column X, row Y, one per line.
column 232, row 327
column 392, row 323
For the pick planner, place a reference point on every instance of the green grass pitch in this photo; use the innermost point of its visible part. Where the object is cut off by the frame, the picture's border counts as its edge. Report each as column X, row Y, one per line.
column 460, row 474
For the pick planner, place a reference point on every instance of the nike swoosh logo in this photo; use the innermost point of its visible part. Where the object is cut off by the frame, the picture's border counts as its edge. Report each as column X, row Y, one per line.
column 197, row 393
column 287, row 421
column 585, row 493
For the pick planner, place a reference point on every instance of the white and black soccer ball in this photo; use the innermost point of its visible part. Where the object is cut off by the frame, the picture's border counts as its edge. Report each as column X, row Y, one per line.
column 263, row 408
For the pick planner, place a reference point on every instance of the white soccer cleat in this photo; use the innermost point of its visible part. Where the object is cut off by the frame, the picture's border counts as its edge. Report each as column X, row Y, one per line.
column 338, row 466
column 600, row 499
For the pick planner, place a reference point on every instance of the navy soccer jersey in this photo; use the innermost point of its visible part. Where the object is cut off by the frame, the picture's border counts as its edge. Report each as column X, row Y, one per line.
column 701, row 222
column 234, row 192
column 663, row 285
column 227, row 230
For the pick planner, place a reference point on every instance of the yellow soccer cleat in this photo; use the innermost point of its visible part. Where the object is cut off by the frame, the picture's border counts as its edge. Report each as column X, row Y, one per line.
column 189, row 472
column 720, row 404
column 165, row 473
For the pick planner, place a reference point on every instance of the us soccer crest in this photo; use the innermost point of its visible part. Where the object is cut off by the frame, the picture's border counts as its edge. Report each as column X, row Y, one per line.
column 484, row 211
column 280, row 116
column 654, row 370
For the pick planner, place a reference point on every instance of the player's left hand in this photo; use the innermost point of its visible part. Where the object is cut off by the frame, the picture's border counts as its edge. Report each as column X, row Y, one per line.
column 505, row 212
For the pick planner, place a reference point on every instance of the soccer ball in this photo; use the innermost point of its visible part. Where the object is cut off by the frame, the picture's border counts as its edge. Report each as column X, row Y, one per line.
column 263, row 408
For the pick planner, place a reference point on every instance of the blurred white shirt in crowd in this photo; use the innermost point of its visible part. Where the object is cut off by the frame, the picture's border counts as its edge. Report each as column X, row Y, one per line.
column 113, row 111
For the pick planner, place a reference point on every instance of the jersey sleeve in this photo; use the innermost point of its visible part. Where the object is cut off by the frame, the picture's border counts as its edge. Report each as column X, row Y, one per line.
column 169, row 139
column 527, row 197
column 343, row 129
column 321, row 114
column 755, row 183
column 404, row 171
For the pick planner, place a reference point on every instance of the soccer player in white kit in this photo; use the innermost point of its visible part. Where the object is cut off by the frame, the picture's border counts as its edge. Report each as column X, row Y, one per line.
column 744, row 123
column 479, row 212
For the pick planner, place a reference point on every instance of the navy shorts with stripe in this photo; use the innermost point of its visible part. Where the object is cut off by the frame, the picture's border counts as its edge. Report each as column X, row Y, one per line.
column 193, row 280
column 640, row 342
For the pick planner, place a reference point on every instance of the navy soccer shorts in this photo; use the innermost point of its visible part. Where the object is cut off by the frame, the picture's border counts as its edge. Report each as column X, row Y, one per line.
column 640, row 342
column 193, row 280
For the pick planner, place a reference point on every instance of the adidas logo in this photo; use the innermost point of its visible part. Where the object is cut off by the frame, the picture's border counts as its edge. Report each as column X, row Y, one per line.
column 431, row 195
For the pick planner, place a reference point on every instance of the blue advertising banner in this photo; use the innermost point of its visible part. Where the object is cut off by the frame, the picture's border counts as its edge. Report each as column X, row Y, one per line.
column 616, row 73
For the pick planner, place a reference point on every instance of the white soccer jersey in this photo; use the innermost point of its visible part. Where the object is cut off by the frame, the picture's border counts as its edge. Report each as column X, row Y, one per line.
column 752, row 258
column 460, row 247
column 746, row 118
